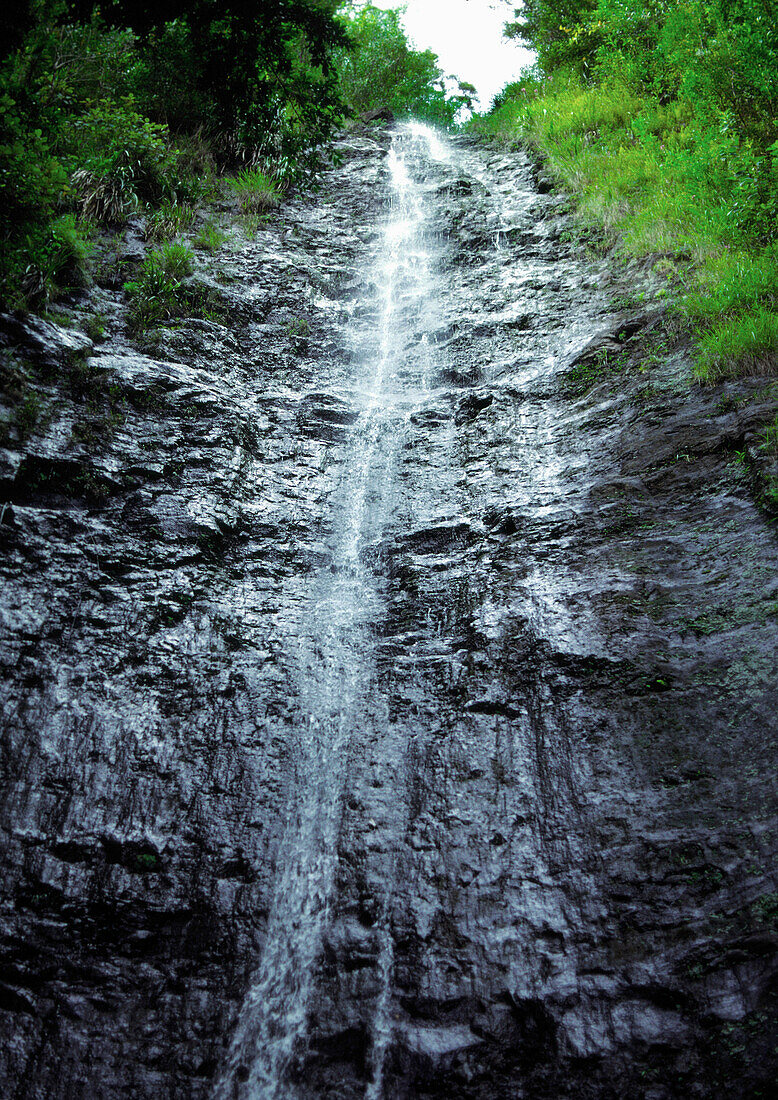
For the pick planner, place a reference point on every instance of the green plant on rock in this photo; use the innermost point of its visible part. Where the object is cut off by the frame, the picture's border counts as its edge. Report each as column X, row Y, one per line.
column 157, row 292
column 94, row 326
column 147, row 861
column 662, row 118
column 299, row 326
column 169, row 221
column 769, row 438
column 28, row 414
column 256, row 191
column 210, row 238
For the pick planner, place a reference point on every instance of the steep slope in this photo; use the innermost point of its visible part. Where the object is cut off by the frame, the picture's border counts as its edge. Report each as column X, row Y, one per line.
column 389, row 673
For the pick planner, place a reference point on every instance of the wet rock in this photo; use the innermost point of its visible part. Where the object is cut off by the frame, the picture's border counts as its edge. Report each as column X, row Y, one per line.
column 42, row 338
column 379, row 114
column 325, row 416
column 382, row 712
column 469, row 407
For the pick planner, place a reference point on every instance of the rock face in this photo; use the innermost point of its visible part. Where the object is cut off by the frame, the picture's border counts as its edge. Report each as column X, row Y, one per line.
column 389, row 673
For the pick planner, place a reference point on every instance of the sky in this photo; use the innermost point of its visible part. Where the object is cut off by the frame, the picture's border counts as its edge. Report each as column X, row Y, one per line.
column 467, row 37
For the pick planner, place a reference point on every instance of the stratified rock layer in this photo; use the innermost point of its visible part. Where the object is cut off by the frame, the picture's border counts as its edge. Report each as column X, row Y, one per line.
column 555, row 818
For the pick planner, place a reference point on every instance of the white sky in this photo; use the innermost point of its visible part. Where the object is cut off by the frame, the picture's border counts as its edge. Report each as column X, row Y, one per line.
column 467, row 37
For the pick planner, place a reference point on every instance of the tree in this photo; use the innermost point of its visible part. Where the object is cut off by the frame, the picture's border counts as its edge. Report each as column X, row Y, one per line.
column 559, row 30
column 380, row 68
column 259, row 73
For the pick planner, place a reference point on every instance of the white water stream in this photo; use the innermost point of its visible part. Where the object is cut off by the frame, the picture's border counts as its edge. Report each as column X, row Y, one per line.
column 334, row 659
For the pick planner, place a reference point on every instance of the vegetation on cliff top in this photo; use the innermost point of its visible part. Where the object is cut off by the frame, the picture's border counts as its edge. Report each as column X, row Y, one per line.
column 135, row 106
column 382, row 69
column 663, row 118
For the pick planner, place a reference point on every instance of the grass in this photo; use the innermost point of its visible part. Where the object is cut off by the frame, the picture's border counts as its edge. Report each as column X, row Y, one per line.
column 658, row 182
column 769, row 438
column 744, row 344
column 28, row 414
column 169, row 221
column 157, row 293
column 256, row 191
column 210, row 238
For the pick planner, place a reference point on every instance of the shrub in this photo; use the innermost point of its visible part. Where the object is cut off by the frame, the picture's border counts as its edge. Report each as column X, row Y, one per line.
column 119, row 159
column 31, row 180
column 70, row 253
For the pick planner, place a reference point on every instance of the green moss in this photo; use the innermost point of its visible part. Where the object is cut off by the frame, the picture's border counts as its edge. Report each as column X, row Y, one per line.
column 147, row 861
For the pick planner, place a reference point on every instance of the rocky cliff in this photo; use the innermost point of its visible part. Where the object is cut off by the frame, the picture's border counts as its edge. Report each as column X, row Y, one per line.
column 389, row 669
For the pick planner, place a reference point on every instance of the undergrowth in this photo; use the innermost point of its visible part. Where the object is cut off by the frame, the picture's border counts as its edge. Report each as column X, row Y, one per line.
column 157, row 293
column 256, row 191
column 209, row 238
column 663, row 181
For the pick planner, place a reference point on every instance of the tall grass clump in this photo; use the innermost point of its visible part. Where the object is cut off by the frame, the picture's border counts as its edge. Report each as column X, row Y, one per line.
column 169, row 221
column 210, row 238
column 745, row 344
column 157, row 293
column 256, row 191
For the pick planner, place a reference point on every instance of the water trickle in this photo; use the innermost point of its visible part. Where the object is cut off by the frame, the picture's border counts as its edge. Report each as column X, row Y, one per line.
column 333, row 660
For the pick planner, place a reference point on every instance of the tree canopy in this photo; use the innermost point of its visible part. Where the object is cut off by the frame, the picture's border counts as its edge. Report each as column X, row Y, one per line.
column 382, row 69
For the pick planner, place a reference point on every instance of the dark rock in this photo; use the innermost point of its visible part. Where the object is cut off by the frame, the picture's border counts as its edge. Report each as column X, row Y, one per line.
column 469, row 407
column 378, row 114
column 362, row 736
column 42, row 338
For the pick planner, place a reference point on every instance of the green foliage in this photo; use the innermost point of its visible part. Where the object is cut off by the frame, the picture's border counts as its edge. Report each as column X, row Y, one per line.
column 162, row 79
column 210, row 238
column 719, row 57
column 31, row 179
column 94, row 327
column 169, row 221
column 769, row 438
column 147, row 861
column 733, row 281
column 559, row 30
column 88, row 103
column 157, row 293
column 663, row 116
column 174, row 259
column 381, row 69
column 256, row 191
column 256, row 77
column 747, row 343
column 123, row 160
column 69, row 254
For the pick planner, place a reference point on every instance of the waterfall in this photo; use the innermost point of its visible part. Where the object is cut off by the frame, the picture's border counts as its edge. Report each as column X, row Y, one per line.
column 333, row 658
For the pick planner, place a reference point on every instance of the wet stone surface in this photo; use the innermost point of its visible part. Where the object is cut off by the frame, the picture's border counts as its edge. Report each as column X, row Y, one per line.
column 389, row 673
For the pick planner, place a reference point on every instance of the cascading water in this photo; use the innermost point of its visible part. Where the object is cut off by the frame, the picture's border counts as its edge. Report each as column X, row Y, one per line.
column 334, row 654
column 384, row 660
